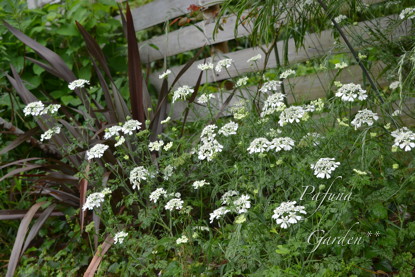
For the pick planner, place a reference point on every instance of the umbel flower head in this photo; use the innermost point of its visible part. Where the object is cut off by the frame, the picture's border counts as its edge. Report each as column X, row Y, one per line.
column 97, row 151
column 404, row 138
column 324, row 167
column 94, row 200
column 182, row 93
column 229, row 128
column 226, row 63
column 119, row 237
column 80, row 83
column 49, row 133
column 291, row 114
column 137, row 175
column 364, row 116
column 351, row 92
column 34, row 108
column 287, row 213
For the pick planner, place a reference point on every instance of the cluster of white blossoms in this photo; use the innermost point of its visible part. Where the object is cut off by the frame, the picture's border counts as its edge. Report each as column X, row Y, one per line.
column 37, row 108
column 339, row 19
column 404, row 138
column 349, row 92
column 394, row 85
column 97, row 151
column 205, row 98
column 155, row 195
column 209, row 146
column 324, row 167
column 205, row 66
column 408, row 13
column 241, row 82
column 287, row 213
column 119, row 237
column 165, row 74
column 182, row 93
column 174, row 204
column 130, row 126
column 340, row 65
column 291, row 114
column 200, row 184
column 168, row 146
column 80, row 83
column 274, row 103
column 137, row 175
column 254, row 58
column 364, row 116
column 229, row 128
column 270, row 86
column 94, row 200
column 182, row 239
column 49, row 133
column 218, row 213
column 225, row 63
column 155, row 145
column 232, row 202
column 127, row 129
column 283, row 143
column 287, row 73
column 261, row 145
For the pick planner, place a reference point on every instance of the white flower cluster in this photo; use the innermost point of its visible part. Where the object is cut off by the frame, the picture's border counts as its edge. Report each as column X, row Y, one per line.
column 182, row 239
column 340, row 65
column 226, row 63
column 254, row 58
column 155, row 145
column 324, row 167
column 241, row 82
column 364, row 116
column 274, row 103
column 261, row 145
column 155, row 195
column 283, row 143
column 394, row 85
column 287, row 213
column 404, row 138
column 80, row 83
column 205, row 98
column 94, row 200
column 349, row 92
column 182, row 93
column 97, row 151
column 205, row 66
column 339, row 19
column 291, row 114
column 408, row 13
column 270, row 86
column 49, row 133
column 127, row 129
column 287, row 73
column 210, row 146
column 130, row 126
column 229, row 128
column 137, row 175
column 236, row 204
column 200, row 184
column 37, row 108
column 165, row 74
column 175, row 203
column 119, row 237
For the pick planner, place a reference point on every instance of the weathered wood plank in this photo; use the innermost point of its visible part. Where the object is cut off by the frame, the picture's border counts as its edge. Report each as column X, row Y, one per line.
column 298, row 89
column 189, row 38
column 159, row 11
column 315, row 45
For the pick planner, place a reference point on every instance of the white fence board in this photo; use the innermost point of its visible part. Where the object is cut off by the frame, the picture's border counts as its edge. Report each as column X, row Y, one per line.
column 315, row 45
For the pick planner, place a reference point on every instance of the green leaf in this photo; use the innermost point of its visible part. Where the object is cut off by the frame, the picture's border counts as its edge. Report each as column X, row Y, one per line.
column 379, row 211
column 69, row 99
column 282, row 250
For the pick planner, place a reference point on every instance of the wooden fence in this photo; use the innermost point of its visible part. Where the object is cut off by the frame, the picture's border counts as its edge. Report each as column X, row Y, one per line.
column 192, row 37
